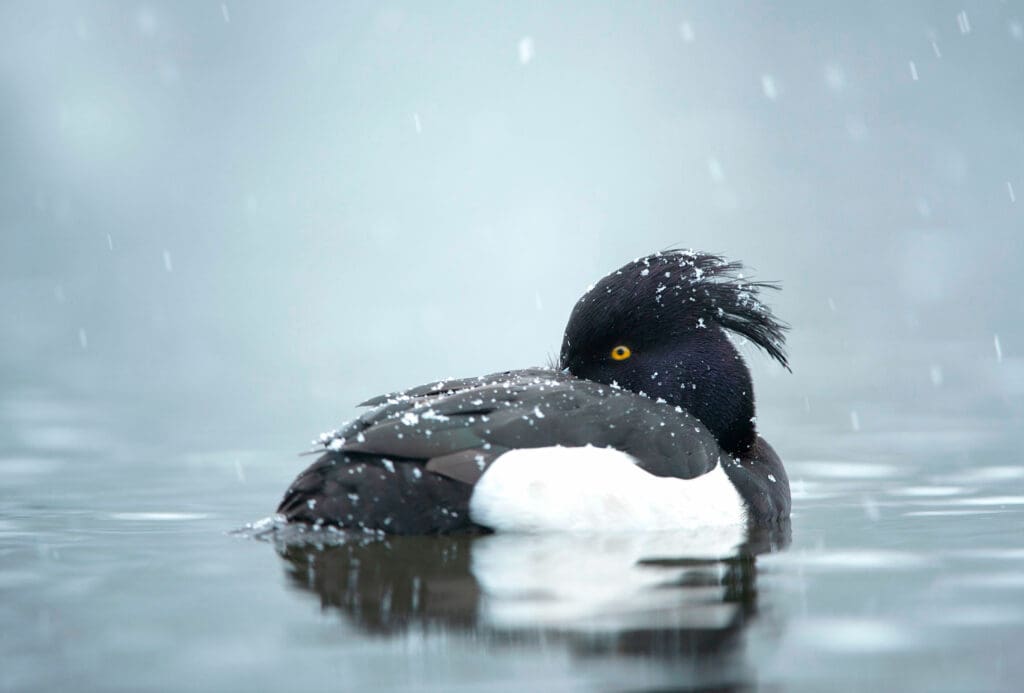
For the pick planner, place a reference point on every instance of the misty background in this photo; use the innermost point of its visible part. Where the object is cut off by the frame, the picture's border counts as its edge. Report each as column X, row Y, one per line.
column 224, row 224
column 234, row 221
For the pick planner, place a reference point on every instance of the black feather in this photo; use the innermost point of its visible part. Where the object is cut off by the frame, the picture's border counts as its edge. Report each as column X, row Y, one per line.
column 699, row 286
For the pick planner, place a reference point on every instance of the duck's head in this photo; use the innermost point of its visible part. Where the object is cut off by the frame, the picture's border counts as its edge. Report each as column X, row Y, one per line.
column 657, row 326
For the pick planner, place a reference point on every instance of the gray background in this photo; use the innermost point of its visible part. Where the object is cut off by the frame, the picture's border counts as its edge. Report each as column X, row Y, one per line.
column 222, row 225
column 287, row 240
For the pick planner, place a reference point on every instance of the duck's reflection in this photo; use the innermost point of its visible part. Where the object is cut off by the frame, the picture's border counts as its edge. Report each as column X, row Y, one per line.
column 663, row 595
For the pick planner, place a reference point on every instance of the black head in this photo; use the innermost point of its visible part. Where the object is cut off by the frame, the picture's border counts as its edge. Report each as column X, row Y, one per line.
column 657, row 326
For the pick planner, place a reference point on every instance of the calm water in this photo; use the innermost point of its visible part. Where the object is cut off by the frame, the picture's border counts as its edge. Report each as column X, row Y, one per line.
column 904, row 570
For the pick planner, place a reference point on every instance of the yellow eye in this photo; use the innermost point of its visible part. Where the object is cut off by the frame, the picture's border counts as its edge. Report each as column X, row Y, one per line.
column 621, row 353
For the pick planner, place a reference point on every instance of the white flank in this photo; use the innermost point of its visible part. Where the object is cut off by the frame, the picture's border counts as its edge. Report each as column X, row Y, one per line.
column 597, row 489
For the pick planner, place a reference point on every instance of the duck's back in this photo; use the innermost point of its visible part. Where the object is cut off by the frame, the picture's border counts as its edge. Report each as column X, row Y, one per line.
column 413, row 463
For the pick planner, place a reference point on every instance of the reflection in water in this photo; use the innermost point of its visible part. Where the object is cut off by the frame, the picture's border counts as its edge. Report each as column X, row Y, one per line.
column 665, row 596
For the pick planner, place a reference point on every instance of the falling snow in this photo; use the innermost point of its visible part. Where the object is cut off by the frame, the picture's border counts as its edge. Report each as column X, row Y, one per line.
column 525, row 50
column 715, row 171
column 835, row 78
column 963, row 22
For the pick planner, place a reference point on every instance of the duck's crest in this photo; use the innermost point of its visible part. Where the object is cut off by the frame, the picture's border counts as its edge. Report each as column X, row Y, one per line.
column 722, row 295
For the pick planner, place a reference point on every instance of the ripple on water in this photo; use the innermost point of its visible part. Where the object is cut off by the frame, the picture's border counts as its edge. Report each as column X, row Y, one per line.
column 854, row 635
column 159, row 516
column 845, row 470
column 17, row 579
column 989, row 501
column 995, row 553
column 985, row 475
column 54, row 438
column 854, row 560
column 986, row 581
column 15, row 470
column 951, row 513
column 977, row 616
column 804, row 490
column 929, row 491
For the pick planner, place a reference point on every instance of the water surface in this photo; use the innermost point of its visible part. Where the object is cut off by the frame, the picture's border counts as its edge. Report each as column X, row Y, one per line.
column 903, row 567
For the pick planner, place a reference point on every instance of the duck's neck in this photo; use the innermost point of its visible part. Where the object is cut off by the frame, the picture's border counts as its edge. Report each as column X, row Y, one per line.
column 714, row 385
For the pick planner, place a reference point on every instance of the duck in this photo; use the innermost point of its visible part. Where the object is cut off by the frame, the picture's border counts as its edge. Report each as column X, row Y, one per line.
column 645, row 422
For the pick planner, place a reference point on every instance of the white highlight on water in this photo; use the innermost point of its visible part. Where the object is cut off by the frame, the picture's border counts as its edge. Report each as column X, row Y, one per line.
column 417, row 123
column 854, row 420
column 927, row 491
column 988, row 501
column 935, row 47
column 686, row 32
column 110, row 241
column 935, row 373
column 1009, row 189
column 852, row 635
column 824, row 469
column 999, row 348
column 224, row 13
column 83, row 338
column 525, row 50
column 158, row 516
column 858, row 560
column 768, row 86
column 167, row 261
column 601, row 583
column 913, row 71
